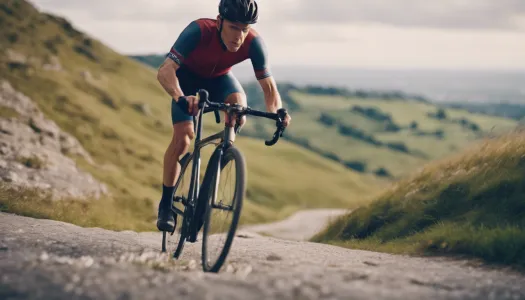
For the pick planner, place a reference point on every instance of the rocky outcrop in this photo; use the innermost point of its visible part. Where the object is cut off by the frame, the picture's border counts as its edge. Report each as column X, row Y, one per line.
column 35, row 152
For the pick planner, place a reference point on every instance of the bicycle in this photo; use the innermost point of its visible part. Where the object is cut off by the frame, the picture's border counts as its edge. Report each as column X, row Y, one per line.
column 199, row 200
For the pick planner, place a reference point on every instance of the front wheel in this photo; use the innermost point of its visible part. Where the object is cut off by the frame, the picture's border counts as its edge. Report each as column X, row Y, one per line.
column 180, row 195
column 223, row 192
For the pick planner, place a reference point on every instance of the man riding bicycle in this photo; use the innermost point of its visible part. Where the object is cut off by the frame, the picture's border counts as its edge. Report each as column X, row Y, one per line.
column 201, row 58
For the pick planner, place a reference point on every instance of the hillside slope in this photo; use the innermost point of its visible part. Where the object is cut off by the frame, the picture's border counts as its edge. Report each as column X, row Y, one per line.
column 468, row 204
column 33, row 151
column 389, row 137
column 117, row 110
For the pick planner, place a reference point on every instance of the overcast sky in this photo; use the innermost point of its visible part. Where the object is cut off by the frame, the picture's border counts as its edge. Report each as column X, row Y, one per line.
column 450, row 34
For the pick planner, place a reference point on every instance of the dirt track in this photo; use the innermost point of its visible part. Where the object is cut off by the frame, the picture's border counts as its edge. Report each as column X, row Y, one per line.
column 43, row 259
column 300, row 226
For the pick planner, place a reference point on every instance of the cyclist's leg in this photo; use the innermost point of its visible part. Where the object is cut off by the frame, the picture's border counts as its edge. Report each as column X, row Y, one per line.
column 227, row 89
column 179, row 145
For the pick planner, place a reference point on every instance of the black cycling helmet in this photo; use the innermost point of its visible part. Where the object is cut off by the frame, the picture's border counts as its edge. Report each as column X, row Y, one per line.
column 242, row 11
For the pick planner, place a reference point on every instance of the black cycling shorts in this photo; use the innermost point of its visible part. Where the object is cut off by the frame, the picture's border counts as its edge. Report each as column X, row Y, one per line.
column 219, row 88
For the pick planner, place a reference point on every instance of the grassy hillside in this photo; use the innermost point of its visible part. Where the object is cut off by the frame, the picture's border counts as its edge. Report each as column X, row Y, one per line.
column 471, row 204
column 508, row 110
column 120, row 114
column 386, row 136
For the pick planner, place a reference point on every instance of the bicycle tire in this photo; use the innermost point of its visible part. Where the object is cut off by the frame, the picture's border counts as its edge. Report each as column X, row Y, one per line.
column 231, row 153
column 184, row 169
column 187, row 219
column 183, row 236
column 164, row 241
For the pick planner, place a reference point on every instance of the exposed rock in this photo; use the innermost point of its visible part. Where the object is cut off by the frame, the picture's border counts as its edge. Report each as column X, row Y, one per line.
column 33, row 148
column 17, row 101
column 86, row 75
column 15, row 57
column 143, row 108
column 273, row 257
column 53, row 64
column 34, row 61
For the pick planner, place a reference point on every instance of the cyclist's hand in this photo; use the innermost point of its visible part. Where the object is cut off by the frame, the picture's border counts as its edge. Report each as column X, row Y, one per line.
column 287, row 120
column 193, row 105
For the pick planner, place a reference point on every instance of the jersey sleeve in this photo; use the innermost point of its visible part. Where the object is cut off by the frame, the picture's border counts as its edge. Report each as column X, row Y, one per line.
column 259, row 57
column 186, row 42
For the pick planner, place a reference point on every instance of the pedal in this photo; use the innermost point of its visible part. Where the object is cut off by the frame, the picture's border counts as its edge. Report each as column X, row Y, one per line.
column 180, row 199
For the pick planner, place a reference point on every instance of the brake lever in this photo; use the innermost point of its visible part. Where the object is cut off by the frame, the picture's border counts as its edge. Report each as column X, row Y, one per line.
column 282, row 112
column 274, row 140
column 278, row 133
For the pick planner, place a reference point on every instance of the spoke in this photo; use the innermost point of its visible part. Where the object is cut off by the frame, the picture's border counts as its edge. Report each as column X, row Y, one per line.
column 223, row 207
column 222, row 211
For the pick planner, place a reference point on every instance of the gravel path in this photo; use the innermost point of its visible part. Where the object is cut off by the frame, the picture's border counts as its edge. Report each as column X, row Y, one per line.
column 43, row 259
column 301, row 226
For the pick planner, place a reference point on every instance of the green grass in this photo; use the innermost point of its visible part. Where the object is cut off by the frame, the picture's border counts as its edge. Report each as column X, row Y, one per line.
column 422, row 148
column 117, row 213
column 470, row 204
column 128, row 147
column 7, row 112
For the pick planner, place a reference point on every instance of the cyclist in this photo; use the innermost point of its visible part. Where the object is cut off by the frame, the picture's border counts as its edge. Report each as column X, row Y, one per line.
column 202, row 57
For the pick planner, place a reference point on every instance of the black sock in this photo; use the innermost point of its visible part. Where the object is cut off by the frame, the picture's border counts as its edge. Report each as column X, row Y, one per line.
column 167, row 196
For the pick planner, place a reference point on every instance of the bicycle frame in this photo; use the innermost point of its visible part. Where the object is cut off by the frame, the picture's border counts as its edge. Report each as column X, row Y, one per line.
column 228, row 134
column 226, row 137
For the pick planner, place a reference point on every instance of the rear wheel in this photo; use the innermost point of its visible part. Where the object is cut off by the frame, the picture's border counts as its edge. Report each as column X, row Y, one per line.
column 223, row 192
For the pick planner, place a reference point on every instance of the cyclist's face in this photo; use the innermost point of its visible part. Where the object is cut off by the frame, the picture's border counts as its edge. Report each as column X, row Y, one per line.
column 234, row 34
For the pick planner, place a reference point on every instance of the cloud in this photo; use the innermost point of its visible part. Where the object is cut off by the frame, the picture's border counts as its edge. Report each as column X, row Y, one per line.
column 133, row 10
column 461, row 14
column 378, row 33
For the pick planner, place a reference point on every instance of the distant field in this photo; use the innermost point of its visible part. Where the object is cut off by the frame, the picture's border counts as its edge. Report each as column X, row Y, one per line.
column 397, row 135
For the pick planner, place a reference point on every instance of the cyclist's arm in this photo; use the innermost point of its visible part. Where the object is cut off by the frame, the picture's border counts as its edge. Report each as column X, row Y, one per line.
column 259, row 58
column 272, row 98
column 168, row 79
column 183, row 46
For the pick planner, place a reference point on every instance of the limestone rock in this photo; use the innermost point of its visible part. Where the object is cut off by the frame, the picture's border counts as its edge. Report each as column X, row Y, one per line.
column 33, row 152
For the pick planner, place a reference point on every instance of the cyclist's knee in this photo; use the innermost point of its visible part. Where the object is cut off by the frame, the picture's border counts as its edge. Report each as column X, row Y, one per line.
column 182, row 136
column 181, row 145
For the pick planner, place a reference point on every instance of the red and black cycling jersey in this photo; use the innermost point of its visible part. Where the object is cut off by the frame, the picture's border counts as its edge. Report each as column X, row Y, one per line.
column 199, row 49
